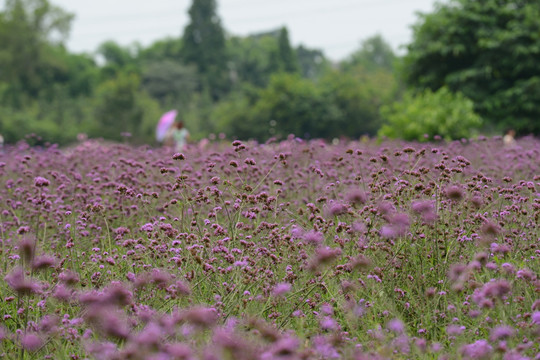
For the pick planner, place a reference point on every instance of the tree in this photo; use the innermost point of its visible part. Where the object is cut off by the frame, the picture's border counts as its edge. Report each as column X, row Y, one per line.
column 489, row 51
column 121, row 108
column 169, row 82
column 359, row 94
column 287, row 56
column 312, row 62
column 256, row 57
column 374, row 53
column 117, row 59
column 288, row 105
column 43, row 87
column 165, row 49
column 442, row 113
column 250, row 58
column 204, row 46
column 363, row 83
column 28, row 31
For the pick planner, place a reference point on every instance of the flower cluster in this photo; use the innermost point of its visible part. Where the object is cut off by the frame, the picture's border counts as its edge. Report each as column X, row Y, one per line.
column 285, row 250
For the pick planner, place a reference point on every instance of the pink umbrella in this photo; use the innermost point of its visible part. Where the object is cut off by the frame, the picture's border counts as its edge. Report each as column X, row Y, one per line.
column 164, row 124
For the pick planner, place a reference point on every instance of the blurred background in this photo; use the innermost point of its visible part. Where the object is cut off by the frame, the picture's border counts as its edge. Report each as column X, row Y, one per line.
column 257, row 69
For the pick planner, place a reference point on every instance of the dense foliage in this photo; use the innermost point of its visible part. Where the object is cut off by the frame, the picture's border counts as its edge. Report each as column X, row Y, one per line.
column 430, row 114
column 488, row 50
column 289, row 250
column 260, row 86
column 204, row 47
column 203, row 74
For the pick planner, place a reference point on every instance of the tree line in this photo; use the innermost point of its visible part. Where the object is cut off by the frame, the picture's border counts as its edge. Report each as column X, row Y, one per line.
column 471, row 67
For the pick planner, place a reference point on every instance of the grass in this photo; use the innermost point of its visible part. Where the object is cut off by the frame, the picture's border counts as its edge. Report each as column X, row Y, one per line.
column 396, row 250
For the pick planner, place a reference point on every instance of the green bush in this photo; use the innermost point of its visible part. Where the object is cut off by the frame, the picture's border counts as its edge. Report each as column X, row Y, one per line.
column 488, row 50
column 288, row 105
column 442, row 113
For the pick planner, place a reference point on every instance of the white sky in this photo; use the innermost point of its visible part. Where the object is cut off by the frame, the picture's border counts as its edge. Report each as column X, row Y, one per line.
column 335, row 26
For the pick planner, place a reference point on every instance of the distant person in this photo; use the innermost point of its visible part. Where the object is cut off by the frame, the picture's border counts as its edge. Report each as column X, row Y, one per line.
column 509, row 140
column 1, row 143
column 180, row 136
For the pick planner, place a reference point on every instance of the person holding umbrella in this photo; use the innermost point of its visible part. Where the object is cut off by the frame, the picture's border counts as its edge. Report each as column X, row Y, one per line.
column 164, row 126
column 180, row 135
column 170, row 132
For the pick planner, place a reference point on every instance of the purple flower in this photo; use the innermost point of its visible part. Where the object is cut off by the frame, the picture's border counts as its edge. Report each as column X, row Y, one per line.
column 358, row 227
column 336, row 208
column 360, row 262
column 396, row 326
column 492, row 290
column 179, row 351
column 41, row 181
column 535, row 318
column 31, row 342
column 281, row 289
column 182, row 288
column 325, row 349
column 201, row 316
column 160, row 277
column 105, row 350
column 62, row 293
column 117, row 294
column 497, row 288
column 515, row 355
column 454, row 330
column 490, row 229
column 297, row 232
column 43, row 262
column 27, row 247
column 454, row 192
column 234, row 344
column 398, row 226
column 323, row 256
column 501, row 332
column 328, row 323
column 423, row 206
column 49, row 323
column 426, row 209
column 356, row 196
column 151, row 336
column 401, row 223
column 327, row 309
column 284, row 348
column 401, row 343
column 526, row 274
column 68, row 277
column 508, row 268
column 17, row 281
column 107, row 320
column 147, row 227
column 477, row 201
column 388, row 232
column 386, row 208
column 313, row 237
column 359, row 308
column 477, row 350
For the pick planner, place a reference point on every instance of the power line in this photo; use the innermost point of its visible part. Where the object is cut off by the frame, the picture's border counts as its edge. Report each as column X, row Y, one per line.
column 114, row 18
column 164, row 17
column 313, row 11
column 246, row 19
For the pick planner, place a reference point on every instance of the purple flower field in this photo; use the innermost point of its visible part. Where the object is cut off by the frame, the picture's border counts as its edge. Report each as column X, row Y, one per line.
column 289, row 250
